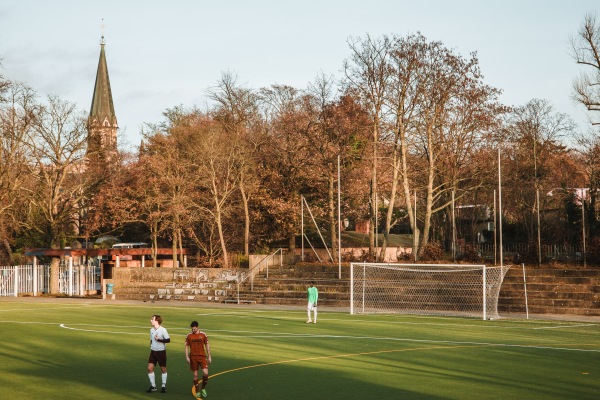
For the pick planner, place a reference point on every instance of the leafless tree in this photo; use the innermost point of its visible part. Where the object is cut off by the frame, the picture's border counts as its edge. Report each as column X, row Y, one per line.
column 585, row 49
column 219, row 168
column 367, row 73
column 18, row 109
column 404, row 94
column 535, row 131
column 238, row 111
column 284, row 160
column 57, row 144
column 338, row 131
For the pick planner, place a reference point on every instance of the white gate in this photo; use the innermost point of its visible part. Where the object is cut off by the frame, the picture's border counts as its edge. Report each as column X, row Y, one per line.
column 32, row 279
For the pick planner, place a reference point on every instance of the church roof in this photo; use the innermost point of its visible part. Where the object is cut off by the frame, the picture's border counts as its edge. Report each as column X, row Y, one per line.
column 102, row 102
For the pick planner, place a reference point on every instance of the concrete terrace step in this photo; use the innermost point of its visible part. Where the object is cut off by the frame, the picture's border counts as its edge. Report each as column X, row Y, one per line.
column 536, row 309
column 299, row 302
column 170, row 291
column 552, row 290
column 300, row 296
column 563, row 280
column 288, row 285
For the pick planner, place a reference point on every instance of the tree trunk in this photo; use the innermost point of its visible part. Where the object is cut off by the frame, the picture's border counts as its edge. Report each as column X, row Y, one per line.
column 54, row 276
column 246, row 218
column 221, row 234
column 291, row 256
column 332, row 224
column 407, row 197
column 174, row 248
column 429, row 198
column 8, row 251
column 153, row 234
column 390, row 210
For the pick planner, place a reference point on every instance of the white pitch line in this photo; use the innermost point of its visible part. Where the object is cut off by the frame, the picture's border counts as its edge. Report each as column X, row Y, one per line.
column 494, row 326
column 300, row 335
column 28, row 322
column 97, row 331
column 563, row 326
column 45, row 309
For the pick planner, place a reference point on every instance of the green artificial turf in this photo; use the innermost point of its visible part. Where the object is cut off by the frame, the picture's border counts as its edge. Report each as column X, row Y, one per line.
column 63, row 349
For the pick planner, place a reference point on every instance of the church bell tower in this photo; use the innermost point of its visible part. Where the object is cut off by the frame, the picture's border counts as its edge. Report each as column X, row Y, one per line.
column 102, row 121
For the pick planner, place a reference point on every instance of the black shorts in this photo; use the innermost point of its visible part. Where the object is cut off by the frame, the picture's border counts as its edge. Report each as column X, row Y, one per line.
column 159, row 357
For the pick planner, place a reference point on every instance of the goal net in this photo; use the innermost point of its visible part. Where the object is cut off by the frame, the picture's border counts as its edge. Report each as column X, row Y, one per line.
column 426, row 289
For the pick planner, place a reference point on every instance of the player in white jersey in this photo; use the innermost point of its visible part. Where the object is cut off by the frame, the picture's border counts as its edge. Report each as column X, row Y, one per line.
column 159, row 337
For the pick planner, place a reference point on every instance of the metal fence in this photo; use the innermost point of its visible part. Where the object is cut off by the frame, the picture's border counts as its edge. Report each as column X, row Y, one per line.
column 73, row 280
column 563, row 252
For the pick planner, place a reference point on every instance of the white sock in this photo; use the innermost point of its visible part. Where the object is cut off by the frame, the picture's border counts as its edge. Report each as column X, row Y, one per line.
column 164, row 379
column 308, row 312
column 152, row 381
column 315, row 320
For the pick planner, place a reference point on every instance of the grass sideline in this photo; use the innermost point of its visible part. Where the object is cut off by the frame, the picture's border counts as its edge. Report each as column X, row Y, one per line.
column 65, row 349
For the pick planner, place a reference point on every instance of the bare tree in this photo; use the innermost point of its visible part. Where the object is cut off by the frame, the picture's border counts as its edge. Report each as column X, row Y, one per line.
column 284, row 160
column 405, row 92
column 440, row 114
column 57, row 144
column 585, row 49
column 17, row 113
column 238, row 111
column 535, row 130
column 322, row 139
column 367, row 73
column 217, row 162
column 457, row 118
column 589, row 158
column 338, row 130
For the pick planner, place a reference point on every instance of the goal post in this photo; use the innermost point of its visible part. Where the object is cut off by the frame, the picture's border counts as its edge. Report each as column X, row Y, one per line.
column 464, row 290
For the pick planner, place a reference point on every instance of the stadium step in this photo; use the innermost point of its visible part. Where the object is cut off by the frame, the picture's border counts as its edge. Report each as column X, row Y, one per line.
column 287, row 285
column 551, row 290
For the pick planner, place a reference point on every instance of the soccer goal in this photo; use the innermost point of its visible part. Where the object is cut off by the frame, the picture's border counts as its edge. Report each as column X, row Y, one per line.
column 426, row 289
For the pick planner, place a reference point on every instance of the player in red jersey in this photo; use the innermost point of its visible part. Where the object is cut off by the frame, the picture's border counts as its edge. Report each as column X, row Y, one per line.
column 197, row 354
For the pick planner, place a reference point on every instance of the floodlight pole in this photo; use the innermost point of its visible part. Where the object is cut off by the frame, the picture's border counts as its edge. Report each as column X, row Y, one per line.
column 70, row 280
column 500, row 208
column 539, row 234
column 339, row 223
column 302, row 224
column 35, row 277
column 376, row 225
column 415, row 239
column 453, row 230
column 495, row 232
column 583, row 224
column 484, row 293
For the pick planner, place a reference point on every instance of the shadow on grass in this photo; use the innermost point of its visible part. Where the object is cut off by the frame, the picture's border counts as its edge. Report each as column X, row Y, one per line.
column 93, row 369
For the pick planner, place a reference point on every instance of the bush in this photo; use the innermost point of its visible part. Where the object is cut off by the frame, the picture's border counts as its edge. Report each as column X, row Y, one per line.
column 470, row 253
column 432, row 252
column 593, row 250
column 530, row 256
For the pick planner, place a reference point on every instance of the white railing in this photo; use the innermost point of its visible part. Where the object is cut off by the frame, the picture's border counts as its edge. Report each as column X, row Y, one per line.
column 22, row 279
column 262, row 264
column 73, row 280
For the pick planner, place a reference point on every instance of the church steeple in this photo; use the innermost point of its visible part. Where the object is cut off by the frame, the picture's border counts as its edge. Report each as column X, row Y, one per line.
column 102, row 121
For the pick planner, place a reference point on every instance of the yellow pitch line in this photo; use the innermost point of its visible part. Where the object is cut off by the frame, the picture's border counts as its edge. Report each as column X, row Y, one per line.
column 339, row 356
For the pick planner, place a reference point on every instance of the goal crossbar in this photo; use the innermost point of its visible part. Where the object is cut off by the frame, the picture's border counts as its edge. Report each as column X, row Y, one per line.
column 466, row 290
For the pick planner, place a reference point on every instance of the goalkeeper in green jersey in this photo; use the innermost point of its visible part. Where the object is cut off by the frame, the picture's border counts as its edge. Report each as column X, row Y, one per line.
column 313, row 297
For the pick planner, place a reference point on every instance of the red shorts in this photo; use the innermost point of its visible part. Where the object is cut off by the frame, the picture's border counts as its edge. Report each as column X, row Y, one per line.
column 198, row 362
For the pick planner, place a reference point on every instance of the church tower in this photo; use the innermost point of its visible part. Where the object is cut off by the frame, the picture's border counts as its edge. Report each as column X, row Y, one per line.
column 102, row 122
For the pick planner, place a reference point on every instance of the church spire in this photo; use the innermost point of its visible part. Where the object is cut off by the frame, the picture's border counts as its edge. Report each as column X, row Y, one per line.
column 102, row 121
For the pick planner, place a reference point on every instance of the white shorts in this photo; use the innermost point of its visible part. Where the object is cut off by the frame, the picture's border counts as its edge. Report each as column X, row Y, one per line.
column 311, row 306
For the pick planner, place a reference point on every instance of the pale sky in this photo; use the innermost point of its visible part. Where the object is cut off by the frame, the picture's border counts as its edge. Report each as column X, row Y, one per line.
column 162, row 54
